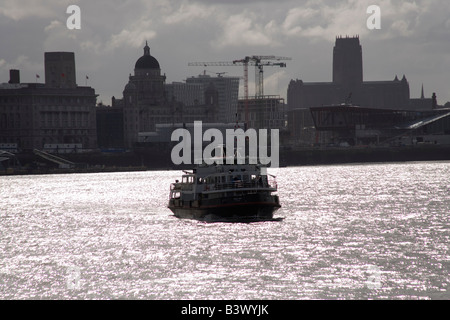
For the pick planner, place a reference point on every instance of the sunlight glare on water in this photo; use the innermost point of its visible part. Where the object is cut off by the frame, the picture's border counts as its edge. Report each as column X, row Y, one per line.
column 372, row 231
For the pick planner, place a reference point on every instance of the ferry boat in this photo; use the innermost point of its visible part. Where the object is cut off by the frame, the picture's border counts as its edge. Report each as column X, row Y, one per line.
column 225, row 192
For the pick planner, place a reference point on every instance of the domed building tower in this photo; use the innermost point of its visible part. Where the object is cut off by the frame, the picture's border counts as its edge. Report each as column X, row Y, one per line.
column 146, row 63
column 148, row 79
column 146, row 102
column 144, row 98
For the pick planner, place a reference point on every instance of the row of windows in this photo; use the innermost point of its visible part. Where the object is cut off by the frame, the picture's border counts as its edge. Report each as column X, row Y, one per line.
column 276, row 116
column 25, row 109
column 268, row 124
column 21, row 142
column 46, row 100
column 13, row 121
column 74, row 120
column 55, row 132
column 28, row 143
column 55, row 140
column 65, row 119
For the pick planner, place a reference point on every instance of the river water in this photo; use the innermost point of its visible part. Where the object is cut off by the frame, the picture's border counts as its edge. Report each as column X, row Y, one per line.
column 369, row 231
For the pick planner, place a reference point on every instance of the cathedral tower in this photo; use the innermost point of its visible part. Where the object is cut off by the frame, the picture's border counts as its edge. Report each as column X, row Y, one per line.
column 347, row 62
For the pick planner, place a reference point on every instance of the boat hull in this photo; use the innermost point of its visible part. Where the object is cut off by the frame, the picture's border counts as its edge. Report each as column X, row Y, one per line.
column 247, row 208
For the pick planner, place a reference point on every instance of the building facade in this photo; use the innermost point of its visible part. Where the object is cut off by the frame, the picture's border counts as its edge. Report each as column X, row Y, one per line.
column 266, row 112
column 110, row 127
column 147, row 101
column 301, row 130
column 353, row 125
column 190, row 94
column 347, row 85
column 33, row 115
column 60, row 70
column 228, row 93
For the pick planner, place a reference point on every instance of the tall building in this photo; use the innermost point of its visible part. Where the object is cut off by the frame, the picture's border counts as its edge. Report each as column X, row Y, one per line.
column 36, row 115
column 147, row 101
column 347, row 85
column 60, row 70
column 109, row 127
column 228, row 90
column 144, row 102
column 347, row 62
column 14, row 76
column 190, row 94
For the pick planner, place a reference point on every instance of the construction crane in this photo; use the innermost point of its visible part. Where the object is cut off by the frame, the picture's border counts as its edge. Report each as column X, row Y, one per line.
column 219, row 74
column 258, row 62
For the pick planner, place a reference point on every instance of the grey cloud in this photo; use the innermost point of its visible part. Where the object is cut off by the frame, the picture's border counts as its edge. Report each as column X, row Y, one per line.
column 113, row 35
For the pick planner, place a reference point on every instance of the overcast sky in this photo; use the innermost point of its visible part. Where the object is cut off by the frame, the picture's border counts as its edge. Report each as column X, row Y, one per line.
column 414, row 39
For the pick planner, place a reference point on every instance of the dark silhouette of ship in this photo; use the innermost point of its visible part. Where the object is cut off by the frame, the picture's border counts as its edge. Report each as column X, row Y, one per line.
column 225, row 192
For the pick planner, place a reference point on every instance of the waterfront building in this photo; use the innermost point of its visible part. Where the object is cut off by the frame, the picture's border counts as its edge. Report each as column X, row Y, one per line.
column 147, row 101
column 266, row 112
column 348, row 86
column 110, row 131
column 57, row 112
column 351, row 125
column 228, row 93
column 190, row 94
column 301, row 130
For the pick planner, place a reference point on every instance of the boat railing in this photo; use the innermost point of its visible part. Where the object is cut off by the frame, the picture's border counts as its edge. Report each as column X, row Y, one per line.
column 269, row 184
column 262, row 182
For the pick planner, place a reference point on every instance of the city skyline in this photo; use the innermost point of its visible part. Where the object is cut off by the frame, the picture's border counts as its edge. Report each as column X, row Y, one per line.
column 413, row 40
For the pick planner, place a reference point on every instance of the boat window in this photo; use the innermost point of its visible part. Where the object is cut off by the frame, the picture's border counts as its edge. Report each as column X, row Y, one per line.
column 188, row 179
column 176, row 195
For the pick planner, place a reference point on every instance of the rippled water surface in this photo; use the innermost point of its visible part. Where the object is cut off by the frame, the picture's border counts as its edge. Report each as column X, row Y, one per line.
column 367, row 231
